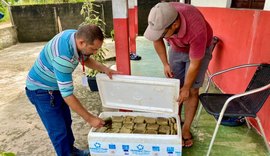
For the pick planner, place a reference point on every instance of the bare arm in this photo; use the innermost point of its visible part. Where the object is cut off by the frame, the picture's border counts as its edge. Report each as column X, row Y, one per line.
column 161, row 51
column 76, row 106
column 91, row 63
column 191, row 75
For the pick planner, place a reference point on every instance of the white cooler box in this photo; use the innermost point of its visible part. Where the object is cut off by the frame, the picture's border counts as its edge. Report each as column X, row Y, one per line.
column 152, row 97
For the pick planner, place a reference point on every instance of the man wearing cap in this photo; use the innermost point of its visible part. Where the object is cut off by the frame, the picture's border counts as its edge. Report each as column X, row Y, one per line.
column 189, row 36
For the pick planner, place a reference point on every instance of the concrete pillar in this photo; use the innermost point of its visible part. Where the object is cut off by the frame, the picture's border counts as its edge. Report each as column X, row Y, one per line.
column 121, row 35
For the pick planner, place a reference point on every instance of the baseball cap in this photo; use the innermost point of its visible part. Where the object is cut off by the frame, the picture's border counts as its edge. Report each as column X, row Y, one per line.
column 160, row 17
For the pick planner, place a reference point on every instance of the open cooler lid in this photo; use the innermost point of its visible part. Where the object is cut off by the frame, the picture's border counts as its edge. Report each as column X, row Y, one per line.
column 147, row 94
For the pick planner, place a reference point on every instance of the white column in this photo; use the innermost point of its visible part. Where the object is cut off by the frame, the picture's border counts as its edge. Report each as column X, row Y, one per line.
column 267, row 5
column 131, row 4
column 212, row 3
column 120, row 9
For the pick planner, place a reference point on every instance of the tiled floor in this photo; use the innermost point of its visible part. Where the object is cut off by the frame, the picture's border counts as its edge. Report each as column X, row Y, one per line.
column 230, row 141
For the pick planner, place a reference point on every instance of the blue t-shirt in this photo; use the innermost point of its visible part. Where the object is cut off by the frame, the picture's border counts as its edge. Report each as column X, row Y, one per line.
column 54, row 66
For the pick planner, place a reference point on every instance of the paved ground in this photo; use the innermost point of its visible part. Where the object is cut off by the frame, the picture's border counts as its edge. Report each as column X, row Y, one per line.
column 5, row 24
column 21, row 131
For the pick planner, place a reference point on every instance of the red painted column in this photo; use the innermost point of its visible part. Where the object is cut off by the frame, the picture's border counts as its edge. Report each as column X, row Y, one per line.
column 121, row 35
column 132, row 30
column 136, row 17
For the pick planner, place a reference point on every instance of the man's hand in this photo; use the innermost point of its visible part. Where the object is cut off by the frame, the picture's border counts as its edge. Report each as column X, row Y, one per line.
column 95, row 122
column 93, row 64
column 76, row 106
column 110, row 72
column 183, row 95
column 167, row 71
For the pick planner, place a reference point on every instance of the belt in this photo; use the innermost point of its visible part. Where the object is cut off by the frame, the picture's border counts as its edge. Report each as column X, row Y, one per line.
column 42, row 91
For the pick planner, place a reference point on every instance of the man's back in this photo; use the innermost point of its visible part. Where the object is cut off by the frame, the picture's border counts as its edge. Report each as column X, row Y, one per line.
column 53, row 67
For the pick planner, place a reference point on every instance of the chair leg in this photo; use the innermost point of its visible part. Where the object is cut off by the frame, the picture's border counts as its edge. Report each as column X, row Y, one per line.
column 263, row 134
column 247, row 123
column 214, row 134
column 198, row 115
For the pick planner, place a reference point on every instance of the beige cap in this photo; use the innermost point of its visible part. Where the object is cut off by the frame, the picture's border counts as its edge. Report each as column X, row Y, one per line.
column 160, row 17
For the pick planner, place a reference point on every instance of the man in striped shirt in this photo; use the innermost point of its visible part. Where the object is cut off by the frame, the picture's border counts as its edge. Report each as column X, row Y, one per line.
column 189, row 36
column 49, row 84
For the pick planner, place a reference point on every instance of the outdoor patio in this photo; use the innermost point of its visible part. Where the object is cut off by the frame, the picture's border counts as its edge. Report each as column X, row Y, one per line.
column 23, row 133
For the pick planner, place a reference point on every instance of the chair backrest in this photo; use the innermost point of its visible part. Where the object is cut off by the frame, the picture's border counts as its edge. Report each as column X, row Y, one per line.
column 214, row 42
column 261, row 77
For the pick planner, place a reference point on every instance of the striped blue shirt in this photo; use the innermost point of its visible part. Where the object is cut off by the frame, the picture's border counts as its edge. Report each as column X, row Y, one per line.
column 53, row 68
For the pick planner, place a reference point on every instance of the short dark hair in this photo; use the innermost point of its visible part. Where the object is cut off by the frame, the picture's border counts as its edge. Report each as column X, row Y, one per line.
column 90, row 33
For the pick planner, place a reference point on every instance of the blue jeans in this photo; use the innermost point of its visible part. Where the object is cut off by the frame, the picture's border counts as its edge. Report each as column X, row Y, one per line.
column 55, row 115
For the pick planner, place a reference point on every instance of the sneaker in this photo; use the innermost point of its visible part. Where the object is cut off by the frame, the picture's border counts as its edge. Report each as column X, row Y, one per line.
column 135, row 57
column 78, row 152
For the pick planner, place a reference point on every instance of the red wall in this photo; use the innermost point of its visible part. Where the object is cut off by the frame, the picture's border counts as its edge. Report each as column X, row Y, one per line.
column 245, row 38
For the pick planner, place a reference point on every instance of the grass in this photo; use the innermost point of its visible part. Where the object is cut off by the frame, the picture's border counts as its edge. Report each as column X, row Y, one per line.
column 6, row 14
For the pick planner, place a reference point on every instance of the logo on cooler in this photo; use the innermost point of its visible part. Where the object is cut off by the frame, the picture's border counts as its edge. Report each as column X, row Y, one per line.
column 97, row 145
column 97, row 148
column 140, row 147
column 139, row 150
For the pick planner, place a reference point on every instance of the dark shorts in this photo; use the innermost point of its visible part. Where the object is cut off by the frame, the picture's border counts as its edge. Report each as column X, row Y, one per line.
column 179, row 62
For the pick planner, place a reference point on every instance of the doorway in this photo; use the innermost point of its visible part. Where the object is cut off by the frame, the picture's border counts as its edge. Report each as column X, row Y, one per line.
column 250, row 4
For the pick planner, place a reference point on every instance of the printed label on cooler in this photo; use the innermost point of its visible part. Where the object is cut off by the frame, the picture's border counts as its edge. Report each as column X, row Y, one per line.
column 133, row 149
column 112, row 149
column 139, row 150
column 98, row 148
column 125, row 149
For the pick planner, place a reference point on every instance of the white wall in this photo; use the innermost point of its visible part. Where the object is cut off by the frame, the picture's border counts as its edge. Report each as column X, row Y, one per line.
column 267, row 5
column 220, row 3
column 212, row 3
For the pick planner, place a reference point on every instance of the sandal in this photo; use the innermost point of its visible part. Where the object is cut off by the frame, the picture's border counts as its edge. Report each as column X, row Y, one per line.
column 187, row 142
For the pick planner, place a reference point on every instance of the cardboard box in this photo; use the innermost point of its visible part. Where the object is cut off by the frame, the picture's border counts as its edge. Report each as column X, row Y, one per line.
column 149, row 97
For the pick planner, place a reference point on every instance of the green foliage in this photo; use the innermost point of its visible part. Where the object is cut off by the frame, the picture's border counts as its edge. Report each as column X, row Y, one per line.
column 92, row 17
column 4, row 10
column 7, row 154
column 112, row 35
column 10, row 2
column 33, row 2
